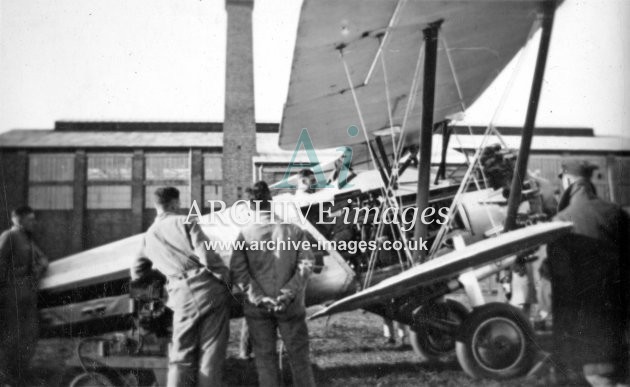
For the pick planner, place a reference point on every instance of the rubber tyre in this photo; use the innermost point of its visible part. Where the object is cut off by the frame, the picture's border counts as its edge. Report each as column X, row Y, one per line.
column 431, row 345
column 496, row 341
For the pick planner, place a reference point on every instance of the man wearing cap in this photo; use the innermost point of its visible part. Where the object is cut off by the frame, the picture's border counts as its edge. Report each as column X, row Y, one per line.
column 22, row 263
column 274, row 280
column 589, row 281
column 197, row 286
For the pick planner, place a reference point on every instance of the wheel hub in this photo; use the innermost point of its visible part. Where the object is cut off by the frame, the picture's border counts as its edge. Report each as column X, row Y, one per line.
column 498, row 343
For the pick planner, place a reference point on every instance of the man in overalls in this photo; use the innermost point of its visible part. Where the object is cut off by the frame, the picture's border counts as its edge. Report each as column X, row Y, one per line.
column 197, row 285
column 21, row 265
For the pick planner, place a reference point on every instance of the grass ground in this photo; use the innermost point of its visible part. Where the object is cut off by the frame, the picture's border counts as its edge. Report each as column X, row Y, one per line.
column 347, row 350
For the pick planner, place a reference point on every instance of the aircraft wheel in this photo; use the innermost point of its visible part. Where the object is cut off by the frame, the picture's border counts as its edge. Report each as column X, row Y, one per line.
column 496, row 341
column 432, row 344
column 89, row 379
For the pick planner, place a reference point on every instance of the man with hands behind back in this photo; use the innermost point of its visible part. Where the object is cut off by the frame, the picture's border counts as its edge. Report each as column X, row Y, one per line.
column 274, row 282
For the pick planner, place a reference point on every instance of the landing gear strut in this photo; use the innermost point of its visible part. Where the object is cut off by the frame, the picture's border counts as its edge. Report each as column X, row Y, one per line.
column 433, row 336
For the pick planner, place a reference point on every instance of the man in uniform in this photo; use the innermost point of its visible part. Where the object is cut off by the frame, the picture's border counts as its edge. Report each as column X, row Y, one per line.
column 589, row 281
column 197, row 285
column 21, row 265
column 274, row 280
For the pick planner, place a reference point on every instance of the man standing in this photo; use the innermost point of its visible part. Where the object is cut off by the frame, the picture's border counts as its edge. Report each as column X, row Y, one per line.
column 21, row 265
column 274, row 280
column 589, row 281
column 197, row 285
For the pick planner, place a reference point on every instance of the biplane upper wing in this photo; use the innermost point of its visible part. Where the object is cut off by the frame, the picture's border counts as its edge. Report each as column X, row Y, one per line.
column 482, row 36
column 451, row 265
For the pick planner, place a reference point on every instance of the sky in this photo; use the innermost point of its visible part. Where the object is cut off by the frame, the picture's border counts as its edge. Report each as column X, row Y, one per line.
column 164, row 60
column 587, row 76
column 154, row 60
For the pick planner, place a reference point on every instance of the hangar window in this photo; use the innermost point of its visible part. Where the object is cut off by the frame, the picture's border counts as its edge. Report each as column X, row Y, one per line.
column 109, row 181
column 213, row 167
column 168, row 166
column 109, row 167
column 172, row 169
column 48, row 167
column 50, row 177
column 100, row 197
column 50, row 197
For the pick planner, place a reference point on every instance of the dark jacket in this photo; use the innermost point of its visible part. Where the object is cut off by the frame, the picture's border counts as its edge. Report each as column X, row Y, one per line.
column 589, row 276
column 20, row 258
column 271, row 271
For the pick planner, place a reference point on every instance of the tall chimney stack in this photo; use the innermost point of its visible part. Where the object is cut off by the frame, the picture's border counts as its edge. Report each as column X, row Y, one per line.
column 239, row 126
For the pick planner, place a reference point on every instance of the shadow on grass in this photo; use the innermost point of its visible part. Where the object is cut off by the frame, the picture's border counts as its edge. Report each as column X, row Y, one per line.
column 243, row 372
column 239, row 372
column 370, row 370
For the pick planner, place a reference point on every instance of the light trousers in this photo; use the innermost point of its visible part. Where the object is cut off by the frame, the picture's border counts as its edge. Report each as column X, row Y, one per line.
column 200, row 332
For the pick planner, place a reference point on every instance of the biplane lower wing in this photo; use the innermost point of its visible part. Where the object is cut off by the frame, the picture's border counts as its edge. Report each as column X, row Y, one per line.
column 449, row 266
column 87, row 293
column 103, row 264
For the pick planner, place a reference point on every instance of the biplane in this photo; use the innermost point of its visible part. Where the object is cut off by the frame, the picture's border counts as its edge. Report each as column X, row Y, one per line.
column 399, row 71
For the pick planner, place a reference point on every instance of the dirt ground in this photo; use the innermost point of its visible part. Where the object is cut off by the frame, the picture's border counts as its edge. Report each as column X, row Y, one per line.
column 347, row 350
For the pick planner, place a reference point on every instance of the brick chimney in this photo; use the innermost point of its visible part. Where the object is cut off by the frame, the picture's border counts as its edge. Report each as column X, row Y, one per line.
column 239, row 127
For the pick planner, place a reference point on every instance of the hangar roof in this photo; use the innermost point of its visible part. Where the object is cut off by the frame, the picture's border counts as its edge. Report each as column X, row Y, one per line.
column 158, row 135
column 129, row 135
column 106, row 139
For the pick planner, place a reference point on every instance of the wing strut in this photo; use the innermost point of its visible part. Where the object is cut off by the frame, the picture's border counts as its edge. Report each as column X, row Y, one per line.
column 421, row 230
column 385, row 175
column 490, row 130
column 520, row 170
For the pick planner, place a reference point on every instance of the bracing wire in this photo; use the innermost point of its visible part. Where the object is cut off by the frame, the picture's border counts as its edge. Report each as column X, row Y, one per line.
column 386, row 185
column 357, row 106
column 389, row 105
column 390, row 26
column 394, row 170
column 410, row 100
column 463, row 106
column 489, row 129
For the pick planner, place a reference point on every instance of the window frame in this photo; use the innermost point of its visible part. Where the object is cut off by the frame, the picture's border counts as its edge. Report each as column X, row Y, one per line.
column 63, row 182
column 89, row 183
column 149, row 184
